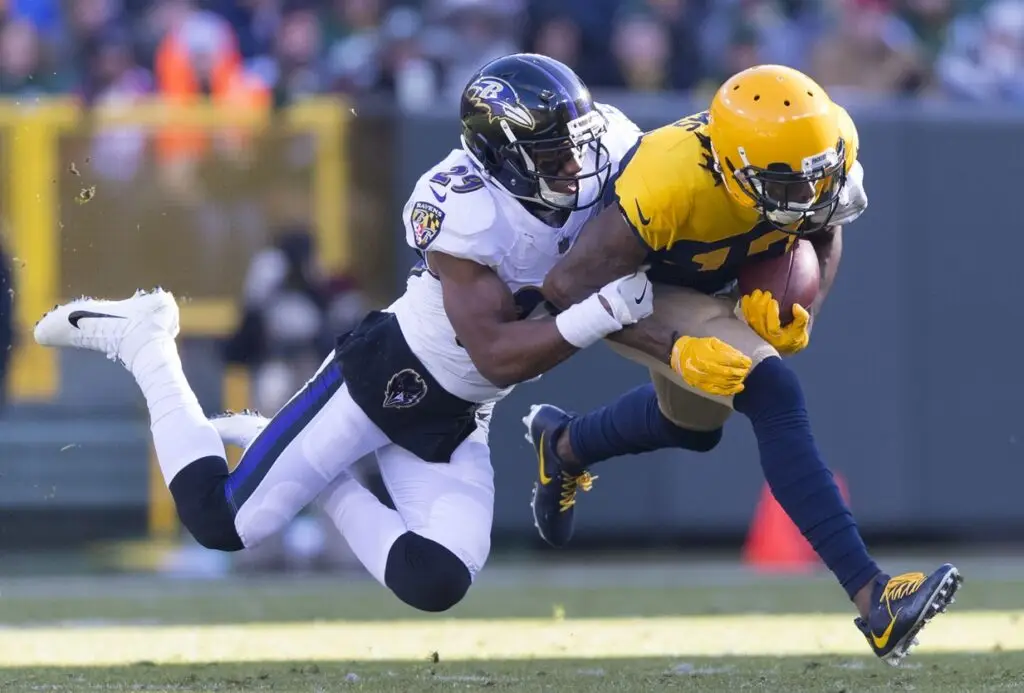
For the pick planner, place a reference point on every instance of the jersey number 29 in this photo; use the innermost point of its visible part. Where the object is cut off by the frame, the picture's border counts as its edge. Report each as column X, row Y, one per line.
column 468, row 182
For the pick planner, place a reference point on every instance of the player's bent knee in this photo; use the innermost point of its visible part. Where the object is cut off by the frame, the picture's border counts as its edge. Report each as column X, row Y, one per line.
column 426, row 575
column 772, row 376
column 771, row 389
column 203, row 507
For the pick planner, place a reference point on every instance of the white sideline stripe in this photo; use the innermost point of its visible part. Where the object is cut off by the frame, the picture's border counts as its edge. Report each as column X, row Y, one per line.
column 747, row 635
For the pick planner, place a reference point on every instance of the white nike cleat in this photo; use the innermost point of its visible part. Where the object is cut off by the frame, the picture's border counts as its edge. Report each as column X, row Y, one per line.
column 239, row 429
column 118, row 329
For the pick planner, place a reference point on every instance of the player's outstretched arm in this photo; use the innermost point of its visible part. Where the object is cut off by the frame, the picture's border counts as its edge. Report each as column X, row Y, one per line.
column 507, row 350
column 608, row 248
column 483, row 313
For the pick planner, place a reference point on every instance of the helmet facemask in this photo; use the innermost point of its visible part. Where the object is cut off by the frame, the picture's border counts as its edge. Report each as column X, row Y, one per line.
column 787, row 198
column 538, row 164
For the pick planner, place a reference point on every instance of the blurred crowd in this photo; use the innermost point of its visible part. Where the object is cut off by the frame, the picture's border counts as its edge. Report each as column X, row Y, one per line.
column 422, row 51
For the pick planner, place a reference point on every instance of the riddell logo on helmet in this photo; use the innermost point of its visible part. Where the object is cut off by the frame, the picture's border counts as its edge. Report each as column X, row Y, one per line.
column 819, row 161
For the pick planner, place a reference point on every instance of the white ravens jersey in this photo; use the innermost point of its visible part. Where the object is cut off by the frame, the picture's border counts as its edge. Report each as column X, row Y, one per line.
column 458, row 210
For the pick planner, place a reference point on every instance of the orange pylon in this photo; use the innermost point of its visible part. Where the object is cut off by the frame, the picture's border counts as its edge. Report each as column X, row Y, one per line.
column 774, row 543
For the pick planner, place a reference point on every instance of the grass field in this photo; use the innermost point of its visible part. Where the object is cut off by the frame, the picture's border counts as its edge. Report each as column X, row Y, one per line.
column 950, row 674
column 631, row 628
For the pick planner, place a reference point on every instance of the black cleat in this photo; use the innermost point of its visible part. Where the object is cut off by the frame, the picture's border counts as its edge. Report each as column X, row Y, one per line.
column 554, row 494
column 902, row 605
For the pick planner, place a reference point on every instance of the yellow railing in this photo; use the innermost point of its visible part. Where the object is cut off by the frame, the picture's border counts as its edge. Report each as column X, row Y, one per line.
column 33, row 206
column 30, row 167
column 33, row 209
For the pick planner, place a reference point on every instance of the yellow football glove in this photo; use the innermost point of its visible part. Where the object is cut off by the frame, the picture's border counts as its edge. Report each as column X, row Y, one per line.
column 761, row 312
column 710, row 364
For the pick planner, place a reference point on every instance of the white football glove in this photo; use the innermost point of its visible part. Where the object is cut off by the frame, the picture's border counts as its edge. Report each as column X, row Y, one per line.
column 628, row 298
column 631, row 298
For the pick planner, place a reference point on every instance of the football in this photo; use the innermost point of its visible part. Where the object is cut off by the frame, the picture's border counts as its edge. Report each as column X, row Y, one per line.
column 791, row 278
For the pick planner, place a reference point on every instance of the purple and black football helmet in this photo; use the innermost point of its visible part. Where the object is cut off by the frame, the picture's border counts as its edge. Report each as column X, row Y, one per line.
column 531, row 124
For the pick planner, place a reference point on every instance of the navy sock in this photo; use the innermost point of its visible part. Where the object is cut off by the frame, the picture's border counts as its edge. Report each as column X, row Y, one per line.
column 797, row 475
column 630, row 425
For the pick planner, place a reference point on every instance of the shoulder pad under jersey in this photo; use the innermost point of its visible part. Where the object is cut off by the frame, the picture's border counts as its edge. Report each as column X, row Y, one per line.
column 616, row 118
column 452, row 211
column 655, row 188
column 622, row 133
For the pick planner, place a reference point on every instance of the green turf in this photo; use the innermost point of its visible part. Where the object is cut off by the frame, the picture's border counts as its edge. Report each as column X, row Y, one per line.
column 344, row 597
column 946, row 674
column 284, row 600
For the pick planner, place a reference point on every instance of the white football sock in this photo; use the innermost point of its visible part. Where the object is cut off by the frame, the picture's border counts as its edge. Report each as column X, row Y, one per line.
column 181, row 432
column 370, row 527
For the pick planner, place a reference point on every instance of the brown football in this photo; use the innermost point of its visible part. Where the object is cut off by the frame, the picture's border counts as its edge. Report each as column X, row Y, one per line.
column 791, row 278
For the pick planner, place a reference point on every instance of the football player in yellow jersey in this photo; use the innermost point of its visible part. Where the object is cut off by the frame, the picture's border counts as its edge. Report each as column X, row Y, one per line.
column 774, row 159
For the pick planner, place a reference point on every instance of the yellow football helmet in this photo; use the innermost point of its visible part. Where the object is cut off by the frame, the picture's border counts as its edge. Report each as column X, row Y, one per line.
column 776, row 137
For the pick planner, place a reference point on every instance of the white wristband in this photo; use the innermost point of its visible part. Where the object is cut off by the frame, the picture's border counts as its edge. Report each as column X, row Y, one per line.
column 586, row 322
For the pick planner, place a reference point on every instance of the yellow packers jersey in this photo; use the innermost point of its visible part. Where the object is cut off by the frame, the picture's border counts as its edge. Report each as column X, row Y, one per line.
column 674, row 199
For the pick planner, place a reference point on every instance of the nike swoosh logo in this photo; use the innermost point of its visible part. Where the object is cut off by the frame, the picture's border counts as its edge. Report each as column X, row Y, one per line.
column 643, row 220
column 544, row 478
column 882, row 640
column 77, row 315
column 642, row 294
column 439, row 198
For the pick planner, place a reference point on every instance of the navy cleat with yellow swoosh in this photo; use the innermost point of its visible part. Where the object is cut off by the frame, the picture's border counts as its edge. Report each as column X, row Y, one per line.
column 902, row 606
column 554, row 494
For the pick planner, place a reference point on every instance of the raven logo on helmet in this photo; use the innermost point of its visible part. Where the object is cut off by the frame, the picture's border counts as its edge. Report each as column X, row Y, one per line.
column 499, row 100
column 405, row 389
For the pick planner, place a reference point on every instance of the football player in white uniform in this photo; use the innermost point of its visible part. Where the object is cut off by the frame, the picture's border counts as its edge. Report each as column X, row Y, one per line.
column 415, row 383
